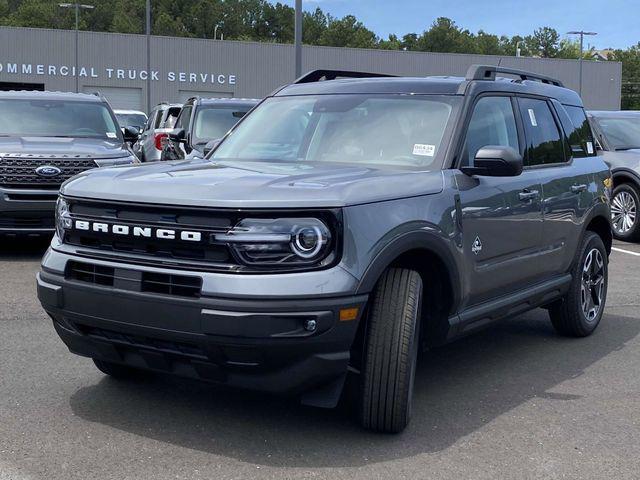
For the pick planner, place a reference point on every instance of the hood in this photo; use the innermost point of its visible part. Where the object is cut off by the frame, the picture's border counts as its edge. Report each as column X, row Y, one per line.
column 623, row 159
column 54, row 146
column 251, row 185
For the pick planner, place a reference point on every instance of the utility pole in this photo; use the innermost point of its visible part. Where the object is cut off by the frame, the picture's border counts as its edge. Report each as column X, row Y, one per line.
column 298, row 38
column 148, row 32
column 77, row 7
column 582, row 33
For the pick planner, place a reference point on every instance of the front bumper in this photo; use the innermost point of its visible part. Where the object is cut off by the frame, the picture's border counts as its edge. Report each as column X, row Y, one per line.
column 251, row 342
column 27, row 211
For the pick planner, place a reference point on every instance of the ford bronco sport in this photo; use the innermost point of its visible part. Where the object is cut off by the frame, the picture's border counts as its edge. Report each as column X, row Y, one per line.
column 46, row 138
column 340, row 226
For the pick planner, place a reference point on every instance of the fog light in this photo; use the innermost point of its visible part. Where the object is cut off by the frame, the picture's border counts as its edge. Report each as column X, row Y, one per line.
column 310, row 325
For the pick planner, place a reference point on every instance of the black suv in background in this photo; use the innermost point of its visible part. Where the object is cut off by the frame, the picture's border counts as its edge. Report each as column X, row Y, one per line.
column 46, row 138
column 201, row 121
column 337, row 228
column 618, row 137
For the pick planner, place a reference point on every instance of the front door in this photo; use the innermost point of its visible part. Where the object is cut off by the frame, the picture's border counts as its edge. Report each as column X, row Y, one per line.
column 501, row 217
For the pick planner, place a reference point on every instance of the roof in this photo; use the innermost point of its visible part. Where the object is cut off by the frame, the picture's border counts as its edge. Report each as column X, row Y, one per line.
column 128, row 112
column 429, row 85
column 36, row 95
column 229, row 101
column 614, row 113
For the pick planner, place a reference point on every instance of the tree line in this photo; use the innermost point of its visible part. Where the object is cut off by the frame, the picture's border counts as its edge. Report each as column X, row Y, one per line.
column 261, row 20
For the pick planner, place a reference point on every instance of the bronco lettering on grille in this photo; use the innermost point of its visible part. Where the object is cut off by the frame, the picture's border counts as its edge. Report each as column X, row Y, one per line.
column 137, row 231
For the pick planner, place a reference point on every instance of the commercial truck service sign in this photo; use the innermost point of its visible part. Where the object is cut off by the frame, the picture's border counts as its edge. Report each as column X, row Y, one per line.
column 117, row 73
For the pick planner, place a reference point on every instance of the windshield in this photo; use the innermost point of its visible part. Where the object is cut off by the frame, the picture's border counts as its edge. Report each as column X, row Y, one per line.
column 623, row 133
column 213, row 123
column 396, row 130
column 131, row 119
column 56, row 118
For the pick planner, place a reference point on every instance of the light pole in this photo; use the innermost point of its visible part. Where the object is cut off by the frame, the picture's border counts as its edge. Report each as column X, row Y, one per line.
column 148, row 35
column 77, row 7
column 582, row 33
column 298, row 38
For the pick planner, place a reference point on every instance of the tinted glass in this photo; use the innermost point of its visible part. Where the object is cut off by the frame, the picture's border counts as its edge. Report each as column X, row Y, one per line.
column 623, row 133
column 56, row 118
column 212, row 123
column 171, row 117
column 362, row 129
column 184, row 119
column 579, row 133
column 544, row 142
column 492, row 123
column 131, row 119
column 158, row 118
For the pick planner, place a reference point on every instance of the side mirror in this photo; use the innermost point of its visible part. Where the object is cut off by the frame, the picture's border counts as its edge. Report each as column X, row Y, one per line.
column 130, row 134
column 178, row 135
column 211, row 145
column 496, row 161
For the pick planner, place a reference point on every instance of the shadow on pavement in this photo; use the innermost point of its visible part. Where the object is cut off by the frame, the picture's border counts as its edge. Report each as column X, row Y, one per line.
column 459, row 388
column 19, row 249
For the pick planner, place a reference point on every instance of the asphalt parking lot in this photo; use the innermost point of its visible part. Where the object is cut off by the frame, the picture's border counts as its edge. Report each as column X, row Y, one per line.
column 515, row 401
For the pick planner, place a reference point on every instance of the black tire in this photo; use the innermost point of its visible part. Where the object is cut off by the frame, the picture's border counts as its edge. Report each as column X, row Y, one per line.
column 625, row 200
column 390, row 352
column 116, row 370
column 568, row 315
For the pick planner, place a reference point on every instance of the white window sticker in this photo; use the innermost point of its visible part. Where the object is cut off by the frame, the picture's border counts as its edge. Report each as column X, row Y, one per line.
column 111, row 135
column 424, row 150
column 532, row 117
column 590, row 148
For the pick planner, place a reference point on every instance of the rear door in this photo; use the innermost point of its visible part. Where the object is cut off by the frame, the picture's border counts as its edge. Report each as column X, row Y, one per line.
column 566, row 182
column 501, row 216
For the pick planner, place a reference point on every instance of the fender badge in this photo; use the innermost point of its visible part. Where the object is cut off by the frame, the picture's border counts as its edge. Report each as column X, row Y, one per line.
column 477, row 246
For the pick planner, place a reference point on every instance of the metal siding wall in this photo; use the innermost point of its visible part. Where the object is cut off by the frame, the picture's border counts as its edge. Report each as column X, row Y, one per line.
column 260, row 67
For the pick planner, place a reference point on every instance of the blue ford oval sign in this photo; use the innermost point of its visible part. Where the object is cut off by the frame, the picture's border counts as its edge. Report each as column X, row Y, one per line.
column 48, row 171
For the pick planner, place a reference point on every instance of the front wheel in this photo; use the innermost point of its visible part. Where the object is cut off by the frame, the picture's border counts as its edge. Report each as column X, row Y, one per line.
column 579, row 312
column 624, row 213
column 391, row 351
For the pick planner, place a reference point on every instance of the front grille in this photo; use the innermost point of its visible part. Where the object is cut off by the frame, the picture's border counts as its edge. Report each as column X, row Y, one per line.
column 139, row 341
column 149, row 248
column 27, row 220
column 20, row 170
column 134, row 280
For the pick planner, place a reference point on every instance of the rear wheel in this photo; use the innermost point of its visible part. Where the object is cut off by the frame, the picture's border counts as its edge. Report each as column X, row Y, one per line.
column 624, row 212
column 391, row 351
column 579, row 312
column 116, row 370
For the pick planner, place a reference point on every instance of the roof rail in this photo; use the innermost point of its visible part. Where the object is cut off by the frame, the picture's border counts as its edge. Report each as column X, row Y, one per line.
column 488, row 72
column 317, row 75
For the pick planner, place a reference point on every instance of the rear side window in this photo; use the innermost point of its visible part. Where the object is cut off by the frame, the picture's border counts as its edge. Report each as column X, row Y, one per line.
column 544, row 140
column 171, row 117
column 185, row 118
column 492, row 123
column 157, row 118
column 579, row 133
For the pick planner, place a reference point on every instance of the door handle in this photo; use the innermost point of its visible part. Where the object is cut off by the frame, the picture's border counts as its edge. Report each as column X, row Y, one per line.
column 578, row 188
column 527, row 195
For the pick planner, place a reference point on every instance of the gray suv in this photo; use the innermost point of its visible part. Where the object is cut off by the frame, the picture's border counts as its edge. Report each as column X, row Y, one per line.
column 341, row 226
column 155, row 132
column 45, row 139
column 618, row 137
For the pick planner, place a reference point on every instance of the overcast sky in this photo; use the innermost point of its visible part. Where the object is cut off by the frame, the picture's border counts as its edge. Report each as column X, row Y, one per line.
column 616, row 21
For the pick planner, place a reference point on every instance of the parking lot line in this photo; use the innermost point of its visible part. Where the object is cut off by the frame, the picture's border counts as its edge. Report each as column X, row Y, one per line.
column 625, row 251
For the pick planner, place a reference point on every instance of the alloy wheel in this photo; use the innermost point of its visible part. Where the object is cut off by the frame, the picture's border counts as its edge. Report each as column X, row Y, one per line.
column 592, row 285
column 623, row 212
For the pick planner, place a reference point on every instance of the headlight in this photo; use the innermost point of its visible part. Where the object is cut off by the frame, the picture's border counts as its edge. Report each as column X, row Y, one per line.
column 63, row 219
column 112, row 162
column 285, row 242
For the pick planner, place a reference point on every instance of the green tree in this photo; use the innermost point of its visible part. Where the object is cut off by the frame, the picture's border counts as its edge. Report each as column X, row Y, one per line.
column 488, row 44
column 630, row 59
column 409, row 41
column 392, row 43
column 347, row 32
column 545, row 42
column 445, row 36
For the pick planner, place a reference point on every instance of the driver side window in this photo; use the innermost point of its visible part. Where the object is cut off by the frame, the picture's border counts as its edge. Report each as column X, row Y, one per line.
column 492, row 123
